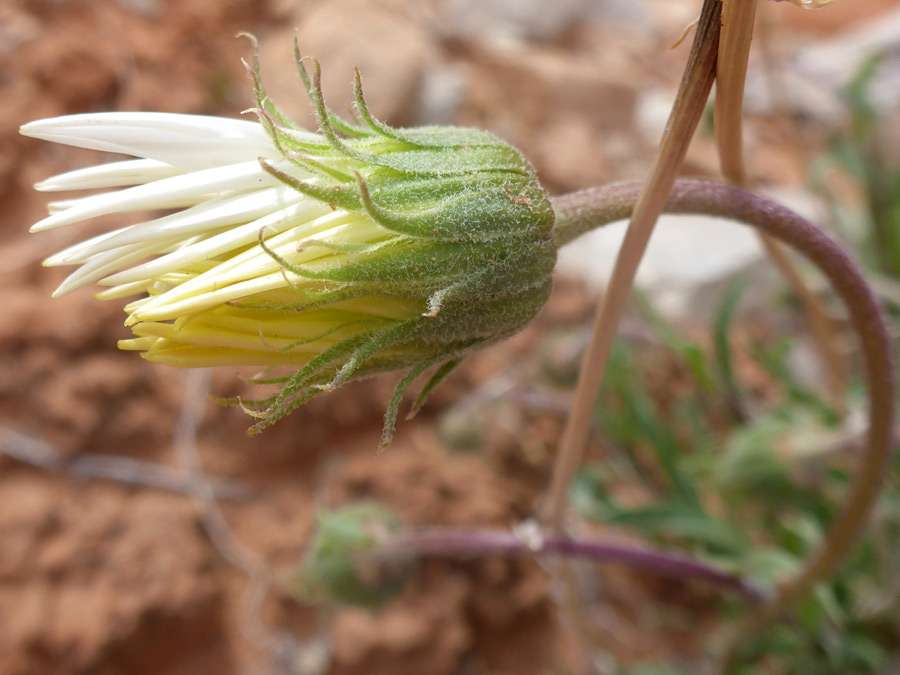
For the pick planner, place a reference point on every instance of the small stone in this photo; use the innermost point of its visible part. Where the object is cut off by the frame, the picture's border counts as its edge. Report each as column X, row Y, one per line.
column 390, row 50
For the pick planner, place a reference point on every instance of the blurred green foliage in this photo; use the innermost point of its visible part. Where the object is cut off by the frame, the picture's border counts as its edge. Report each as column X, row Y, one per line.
column 750, row 492
column 755, row 495
column 863, row 152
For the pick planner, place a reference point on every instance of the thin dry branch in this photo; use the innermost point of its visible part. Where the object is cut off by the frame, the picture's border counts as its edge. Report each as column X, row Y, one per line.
column 41, row 454
column 731, row 76
column 686, row 113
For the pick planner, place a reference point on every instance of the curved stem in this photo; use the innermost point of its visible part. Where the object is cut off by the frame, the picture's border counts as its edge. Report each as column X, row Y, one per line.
column 585, row 210
column 444, row 542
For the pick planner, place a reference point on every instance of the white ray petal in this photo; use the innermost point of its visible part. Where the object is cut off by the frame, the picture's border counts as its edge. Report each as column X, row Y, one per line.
column 231, row 240
column 166, row 193
column 122, row 291
column 284, row 242
column 245, row 265
column 115, row 174
column 200, row 219
column 195, row 303
column 237, row 277
column 101, row 265
column 83, row 250
column 188, row 141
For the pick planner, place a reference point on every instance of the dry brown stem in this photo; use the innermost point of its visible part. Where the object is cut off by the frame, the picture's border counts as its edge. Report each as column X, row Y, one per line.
column 731, row 75
column 683, row 120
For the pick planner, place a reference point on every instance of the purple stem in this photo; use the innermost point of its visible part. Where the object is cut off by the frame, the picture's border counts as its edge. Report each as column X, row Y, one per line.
column 453, row 542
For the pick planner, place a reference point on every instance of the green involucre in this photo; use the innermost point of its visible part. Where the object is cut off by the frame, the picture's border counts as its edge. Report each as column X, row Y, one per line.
column 467, row 243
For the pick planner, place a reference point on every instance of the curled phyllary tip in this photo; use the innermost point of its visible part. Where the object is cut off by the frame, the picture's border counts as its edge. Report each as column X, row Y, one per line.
column 329, row 256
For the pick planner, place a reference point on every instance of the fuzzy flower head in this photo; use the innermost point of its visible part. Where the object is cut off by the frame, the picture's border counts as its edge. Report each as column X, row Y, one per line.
column 335, row 255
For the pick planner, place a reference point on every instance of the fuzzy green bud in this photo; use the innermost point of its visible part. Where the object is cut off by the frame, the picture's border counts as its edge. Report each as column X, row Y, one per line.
column 339, row 566
column 458, row 231
column 462, row 428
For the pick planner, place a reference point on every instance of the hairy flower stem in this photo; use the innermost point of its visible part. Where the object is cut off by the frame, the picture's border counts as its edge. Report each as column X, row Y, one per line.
column 453, row 542
column 731, row 76
column 582, row 211
column 683, row 120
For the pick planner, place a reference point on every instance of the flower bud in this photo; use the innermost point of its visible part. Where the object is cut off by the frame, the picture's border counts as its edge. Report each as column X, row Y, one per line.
column 340, row 254
column 339, row 566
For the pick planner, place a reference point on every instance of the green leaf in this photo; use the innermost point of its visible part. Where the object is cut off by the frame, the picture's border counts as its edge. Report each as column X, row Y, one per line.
column 724, row 358
column 631, row 417
column 677, row 521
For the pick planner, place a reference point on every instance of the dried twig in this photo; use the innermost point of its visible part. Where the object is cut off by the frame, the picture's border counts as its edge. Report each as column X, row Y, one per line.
column 216, row 527
column 127, row 470
column 686, row 113
column 731, row 75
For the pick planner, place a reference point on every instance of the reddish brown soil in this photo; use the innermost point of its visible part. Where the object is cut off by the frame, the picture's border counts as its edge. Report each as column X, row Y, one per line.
column 100, row 577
